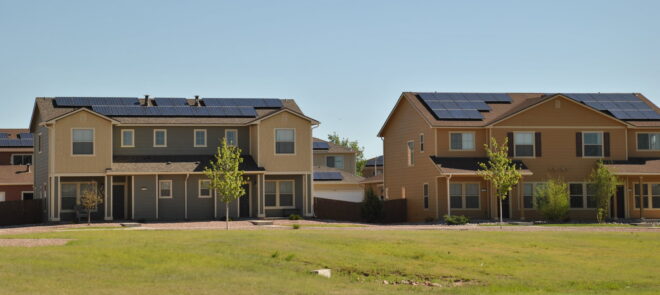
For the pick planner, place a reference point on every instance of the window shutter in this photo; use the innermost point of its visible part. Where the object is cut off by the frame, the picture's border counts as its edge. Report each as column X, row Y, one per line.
column 606, row 144
column 509, row 136
column 578, row 144
column 537, row 143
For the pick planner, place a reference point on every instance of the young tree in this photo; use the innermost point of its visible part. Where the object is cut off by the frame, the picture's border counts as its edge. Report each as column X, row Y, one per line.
column 603, row 183
column 360, row 161
column 552, row 199
column 226, row 177
column 499, row 170
column 89, row 200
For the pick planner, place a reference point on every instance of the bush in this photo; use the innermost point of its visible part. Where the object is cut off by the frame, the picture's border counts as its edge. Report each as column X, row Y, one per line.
column 429, row 219
column 296, row 226
column 372, row 207
column 456, row 219
column 553, row 200
column 294, row 217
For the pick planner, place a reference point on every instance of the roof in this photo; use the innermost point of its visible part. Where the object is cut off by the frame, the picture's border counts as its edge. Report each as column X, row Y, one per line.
column 11, row 140
column 170, row 164
column 374, row 179
column 634, row 166
column 348, row 178
column 333, row 148
column 15, row 174
column 376, row 161
column 469, row 166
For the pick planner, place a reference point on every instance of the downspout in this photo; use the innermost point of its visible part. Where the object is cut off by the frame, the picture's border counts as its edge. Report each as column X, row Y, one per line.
column 376, row 167
column 448, row 196
column 641, row 198
column 185, row 196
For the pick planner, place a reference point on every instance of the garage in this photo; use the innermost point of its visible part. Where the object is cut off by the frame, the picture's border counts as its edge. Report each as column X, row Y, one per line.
column 350, row 195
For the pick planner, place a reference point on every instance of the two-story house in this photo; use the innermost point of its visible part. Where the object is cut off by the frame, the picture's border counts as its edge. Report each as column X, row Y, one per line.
column 335, row 172
column 16, row 175
column 433, row 143
column 147, row 156
column 373, row 173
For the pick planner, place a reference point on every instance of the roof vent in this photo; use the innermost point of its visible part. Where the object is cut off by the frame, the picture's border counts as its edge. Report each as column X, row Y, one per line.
column 147, row 101
column 197, row 104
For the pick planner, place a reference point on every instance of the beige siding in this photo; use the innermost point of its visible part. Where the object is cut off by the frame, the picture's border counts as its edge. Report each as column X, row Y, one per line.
column 485, row 210
column 301, row 160
column 65, row 162
column 254, row 143
column 349, row 160
column 564, row 113
column 632, row 144
column 443, row 142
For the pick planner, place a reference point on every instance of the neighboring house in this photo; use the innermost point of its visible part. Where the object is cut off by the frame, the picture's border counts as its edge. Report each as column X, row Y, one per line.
column 147, row 156
column 373, row 171
column 433, row 143
column 16, row 175
column 335, row 172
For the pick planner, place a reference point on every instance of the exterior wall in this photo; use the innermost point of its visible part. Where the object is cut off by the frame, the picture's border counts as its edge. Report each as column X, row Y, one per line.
column 173, row 208
column 631, row 211
column 369, row 171
column 41, row 164
column 298, row 193
column 485, row 202
column 443, row 143
column 339, row 188
column 198, row 208
column 632, row 144
column 406, row 124
column 99, row 214
column 566, row 113
column 301, row 161
column 65, row 162
column 349, row 160
column 254, row 143
column 180, row 140
column 13, row 192
column 145, row 200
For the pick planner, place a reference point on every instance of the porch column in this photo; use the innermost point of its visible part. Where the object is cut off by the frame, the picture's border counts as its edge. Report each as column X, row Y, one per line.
column 261, row 196
column 641, row 197
column 521, row 201
column 108, row 197
column 448, row 196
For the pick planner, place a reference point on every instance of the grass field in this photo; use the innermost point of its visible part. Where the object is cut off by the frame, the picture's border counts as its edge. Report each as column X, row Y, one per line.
column 278, row 262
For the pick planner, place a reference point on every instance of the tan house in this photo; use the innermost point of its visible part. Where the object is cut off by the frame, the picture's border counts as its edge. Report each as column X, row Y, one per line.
column 16, row 175
column 335, row 172
column 147, row 156
column 433, row 143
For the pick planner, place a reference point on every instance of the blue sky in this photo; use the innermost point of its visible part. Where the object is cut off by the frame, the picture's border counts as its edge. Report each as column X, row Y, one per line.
column 345, row 62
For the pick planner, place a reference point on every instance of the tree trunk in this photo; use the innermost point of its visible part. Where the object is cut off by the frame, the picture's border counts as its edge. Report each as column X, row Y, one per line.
column 89, row 218
column 501, row 216
column 227, row 215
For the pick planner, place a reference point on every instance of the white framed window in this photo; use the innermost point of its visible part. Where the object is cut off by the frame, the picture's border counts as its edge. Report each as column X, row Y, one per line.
column 421, row 142
column 285, row 141
column 200, row 137
column 71, row 193
column 335, row 161
column 529, row 194
column 464, row 195
column 461, row 141
column 21, row 159
column 231, row 135
column 165, row 189
column 127, row 138
column 27, row 195
column 280, row 194
column 650, row 195
column 523, row 144
column 410, row 148
column 648, row 141
column 425, row 194
column 204, row 188
column 82, row 142
column 581, row 195
column 160, row 137
column 592, row 144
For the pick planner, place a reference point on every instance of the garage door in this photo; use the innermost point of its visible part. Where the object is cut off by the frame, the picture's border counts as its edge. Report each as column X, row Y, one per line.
column 342, row 195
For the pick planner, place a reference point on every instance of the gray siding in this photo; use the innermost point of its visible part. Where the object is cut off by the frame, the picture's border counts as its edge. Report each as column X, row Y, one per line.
column 41, row 163
column 198, row 208
column 180, row 141
column 145, row 200
column 174, row 208
column 297, row 193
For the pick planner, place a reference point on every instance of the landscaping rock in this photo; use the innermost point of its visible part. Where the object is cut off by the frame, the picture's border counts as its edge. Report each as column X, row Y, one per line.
column 324, row 272
column 262, row 222
column 130, row 224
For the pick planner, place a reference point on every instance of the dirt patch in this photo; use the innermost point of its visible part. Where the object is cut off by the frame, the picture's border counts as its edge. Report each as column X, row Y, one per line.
column 32, row 242
column 400, row 278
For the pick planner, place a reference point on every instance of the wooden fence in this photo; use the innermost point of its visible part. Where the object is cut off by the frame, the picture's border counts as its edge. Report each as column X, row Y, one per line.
column 20, row 212
column 394, row 211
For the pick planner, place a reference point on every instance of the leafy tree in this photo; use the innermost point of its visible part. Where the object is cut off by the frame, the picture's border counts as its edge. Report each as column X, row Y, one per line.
column 553, row 199
column 226, row 177
column 360, row 161
column 372, row 207
column 89, row 200
column 499, row 170
column 603, row 183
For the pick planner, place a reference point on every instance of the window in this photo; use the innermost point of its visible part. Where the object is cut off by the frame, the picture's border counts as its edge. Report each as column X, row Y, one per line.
column 21, row 159
column 464, row 195
column 279, row 194
column 411, row 153
column 650, row 201
column 200, row 138
column 127, row 138
column 71, row 193
column 425, row 191
column 581, row 195
column 165, row 189
column 335, row 161
column 529, row 194
column 204, row 188
column 523, row 144
column 2, row 196
column 160, row 138
column 231, row 135
column 592, row 144
column 655, row 196
column 648, row 141
column 82, row 141
column 27, row 195
column 421, row 143
column 39, row 143
column 285, row 141
column 461, row 141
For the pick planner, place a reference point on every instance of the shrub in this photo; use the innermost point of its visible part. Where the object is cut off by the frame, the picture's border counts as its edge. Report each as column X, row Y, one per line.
column 294, row 217
column 429, row 220
column 372, row 207
column 456, row 219
column 296, row 226
column 553, row 200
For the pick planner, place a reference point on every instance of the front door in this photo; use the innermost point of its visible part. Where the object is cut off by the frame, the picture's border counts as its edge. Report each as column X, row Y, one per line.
column 506, row 213
column 617, row 203
column 244, row 203
column 118, row 202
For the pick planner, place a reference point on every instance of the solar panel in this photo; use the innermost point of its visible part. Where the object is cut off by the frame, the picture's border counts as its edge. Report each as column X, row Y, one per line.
column 171, row 101
column 327, row 176
column 259, row 103
column 90, row 101
column 7, row 142
column 457, row 115
column 624, row 106
column 174, row 111
column 4, row 135
column 25, row 135
column 321, row 145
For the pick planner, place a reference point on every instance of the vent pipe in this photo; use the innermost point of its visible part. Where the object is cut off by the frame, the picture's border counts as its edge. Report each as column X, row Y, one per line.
column 147, row 101
column 197, row 104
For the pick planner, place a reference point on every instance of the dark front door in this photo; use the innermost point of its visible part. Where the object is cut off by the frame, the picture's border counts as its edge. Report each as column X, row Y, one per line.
column 506, row 213
column 118, row 202
column 244, row 203
column 617, row 203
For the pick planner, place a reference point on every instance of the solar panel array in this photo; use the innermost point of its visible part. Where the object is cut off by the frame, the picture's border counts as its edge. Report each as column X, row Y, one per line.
column 321, row 145
column 171, row 101
column 259, row 103
column 327, row 176
column 10, row 142
column 4, row 135
column 25, row 135
column 181, row 111
column 624, row 106
column 461, row 106
column 90, row 101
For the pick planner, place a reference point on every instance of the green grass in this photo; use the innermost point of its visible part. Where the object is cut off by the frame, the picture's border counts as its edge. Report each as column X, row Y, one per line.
column 589, row 224
column 333, row 225
column 91, row 228
column 279, row 261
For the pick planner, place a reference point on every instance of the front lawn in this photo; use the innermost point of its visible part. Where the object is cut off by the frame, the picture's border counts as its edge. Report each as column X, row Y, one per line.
column 278, row 262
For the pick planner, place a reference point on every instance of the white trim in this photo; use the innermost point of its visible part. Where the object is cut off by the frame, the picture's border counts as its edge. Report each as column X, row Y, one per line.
column 464, row 195
column 11, row 158
column 277, row 194
column 515, row 152
column 474, row 141
column 649, row 196
column 410, row 153
column 199, row 189
column 602, row 145
column 123, row 144
column 195, row 138
column 637, row 142
column 235, row 131
column 51, row 121
column 164, row 138
column 335, row 161
column 171, row 189
column 93, row 142
column 295, row 147
column 426, row 196
column 584, row 196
